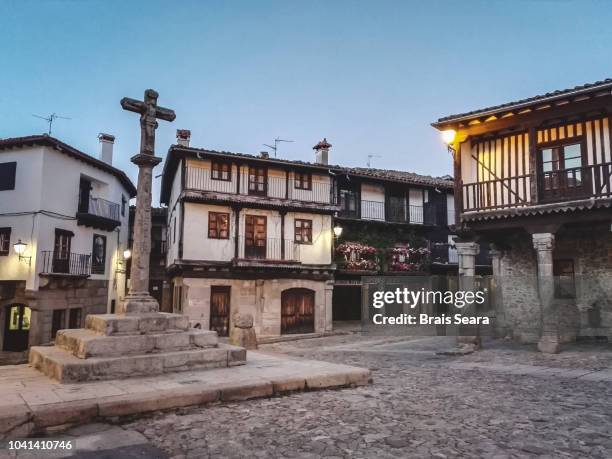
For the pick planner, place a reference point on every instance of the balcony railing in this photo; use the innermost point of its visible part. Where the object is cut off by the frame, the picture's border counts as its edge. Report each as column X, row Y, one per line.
column 390, row 212
column 68, row 263
column 594, row 181
column 102, row 208
column 200, row 179
column 271, row 249
column 159, row 248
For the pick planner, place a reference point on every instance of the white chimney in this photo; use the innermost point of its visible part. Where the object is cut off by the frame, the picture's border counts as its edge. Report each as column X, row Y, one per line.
column 107, row 142
column 322, row 152
column 183, row 136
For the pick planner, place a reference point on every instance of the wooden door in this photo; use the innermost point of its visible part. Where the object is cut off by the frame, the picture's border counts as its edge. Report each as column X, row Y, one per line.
column 17, row 329
column 84, row 192
column 255, row 236
column 61, row 253
column 258, row 181
column 297, row 311
column 220, row 309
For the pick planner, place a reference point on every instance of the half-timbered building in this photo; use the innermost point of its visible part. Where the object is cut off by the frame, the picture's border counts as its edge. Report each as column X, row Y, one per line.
column 249, row 234
column 534, row 178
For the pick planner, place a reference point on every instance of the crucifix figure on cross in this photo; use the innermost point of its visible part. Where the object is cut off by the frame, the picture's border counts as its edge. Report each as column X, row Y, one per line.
column 139, row 300
column 149, row 112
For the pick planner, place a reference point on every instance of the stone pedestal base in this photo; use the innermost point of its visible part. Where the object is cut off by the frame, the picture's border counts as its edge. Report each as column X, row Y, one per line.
column 136, row 303
column 117, row 346
column 243, row 337
column 549, row 345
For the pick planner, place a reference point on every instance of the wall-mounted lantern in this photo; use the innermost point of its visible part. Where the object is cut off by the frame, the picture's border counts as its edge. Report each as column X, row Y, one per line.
column 20, row 248
column 338, row 230
column 127, row 254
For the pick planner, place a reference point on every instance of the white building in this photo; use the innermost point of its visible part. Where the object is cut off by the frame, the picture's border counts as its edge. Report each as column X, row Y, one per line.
column 249, row 234
column 70, row 212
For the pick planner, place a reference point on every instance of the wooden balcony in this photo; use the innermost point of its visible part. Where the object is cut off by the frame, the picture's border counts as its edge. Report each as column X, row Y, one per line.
column 269, row 249
column 558, row 186
column 278, row 188
column 99, row 213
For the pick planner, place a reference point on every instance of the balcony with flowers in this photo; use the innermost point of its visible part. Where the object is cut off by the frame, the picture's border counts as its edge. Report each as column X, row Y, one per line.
column 404, row 258
column 358, row 258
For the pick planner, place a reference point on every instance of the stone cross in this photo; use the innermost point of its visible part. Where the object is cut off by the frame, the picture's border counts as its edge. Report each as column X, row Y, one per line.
column 139, row 300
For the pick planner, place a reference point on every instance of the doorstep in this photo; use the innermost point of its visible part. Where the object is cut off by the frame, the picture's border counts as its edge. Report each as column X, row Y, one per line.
column 270, row 339
column 32, row 403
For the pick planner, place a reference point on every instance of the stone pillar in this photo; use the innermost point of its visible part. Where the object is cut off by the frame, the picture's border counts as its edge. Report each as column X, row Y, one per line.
column 544, row 244
column 495, row 295
column 329, row 293
column 467, row 251
column 138, row 299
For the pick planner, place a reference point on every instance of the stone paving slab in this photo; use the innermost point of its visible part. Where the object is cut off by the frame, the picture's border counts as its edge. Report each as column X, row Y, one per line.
column 32, row 402
column 537, row 371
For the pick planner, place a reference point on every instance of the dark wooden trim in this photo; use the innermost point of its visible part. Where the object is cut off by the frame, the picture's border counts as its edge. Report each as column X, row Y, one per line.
column 283, row 214
column 458, row 195
column 236, row 229
column 181, row 229
column 287, row 183
column 536, row 117
column 533, row 166
column 238, row 166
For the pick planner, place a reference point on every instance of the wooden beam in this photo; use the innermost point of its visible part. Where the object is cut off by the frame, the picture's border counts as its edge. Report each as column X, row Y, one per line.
column 536, row 117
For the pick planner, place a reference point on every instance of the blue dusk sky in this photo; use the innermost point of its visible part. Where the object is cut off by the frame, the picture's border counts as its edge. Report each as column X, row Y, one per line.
column 369, row 75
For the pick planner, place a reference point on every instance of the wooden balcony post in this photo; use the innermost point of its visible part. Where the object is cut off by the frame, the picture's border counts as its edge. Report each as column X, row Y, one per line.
column 533, row 166
column 282, row 247
column 458, row 195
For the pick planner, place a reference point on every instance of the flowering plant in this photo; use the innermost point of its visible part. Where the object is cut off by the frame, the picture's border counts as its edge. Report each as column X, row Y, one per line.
column 358, row 257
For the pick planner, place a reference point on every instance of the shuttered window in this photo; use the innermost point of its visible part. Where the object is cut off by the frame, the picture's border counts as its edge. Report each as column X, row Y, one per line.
column 303, row 231
column 7, row 176
column 218, row 225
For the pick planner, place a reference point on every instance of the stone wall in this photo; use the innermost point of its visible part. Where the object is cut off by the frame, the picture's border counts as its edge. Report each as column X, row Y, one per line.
column 589, row 314
column 259, row 297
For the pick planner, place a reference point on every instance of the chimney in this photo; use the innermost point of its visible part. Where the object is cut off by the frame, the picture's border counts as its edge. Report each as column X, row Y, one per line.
column 107, row 142
column 322, row 152
column 264, row 154
column 183, row 136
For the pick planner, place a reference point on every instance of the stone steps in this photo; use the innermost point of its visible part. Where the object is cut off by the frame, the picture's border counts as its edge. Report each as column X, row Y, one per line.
column 115, row 346
column 63, row 366
column 84, row 343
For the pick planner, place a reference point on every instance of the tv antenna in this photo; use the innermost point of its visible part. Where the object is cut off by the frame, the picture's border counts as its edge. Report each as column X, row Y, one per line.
column 370, row 159
column 276, row 142
column 52, row 117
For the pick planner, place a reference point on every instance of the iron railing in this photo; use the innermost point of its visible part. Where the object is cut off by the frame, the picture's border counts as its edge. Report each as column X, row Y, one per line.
column 268, row 249
column 372, row 210
column 75, row 264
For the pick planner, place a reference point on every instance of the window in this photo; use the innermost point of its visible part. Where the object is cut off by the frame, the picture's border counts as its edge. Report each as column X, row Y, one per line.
column 258, row 180
column 7, row 176
column 303, row 231
column 5, row 241
column 561, row 169
column 218, row 225
column 303, row 181
column 123, row 205
column 221, row 171
column 74, row 319
column 57, row 322
column 563, row 271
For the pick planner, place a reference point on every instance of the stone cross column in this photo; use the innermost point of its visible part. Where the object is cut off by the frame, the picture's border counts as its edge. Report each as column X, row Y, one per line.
column 467, row 251
column 544, row 244
column 139, row 300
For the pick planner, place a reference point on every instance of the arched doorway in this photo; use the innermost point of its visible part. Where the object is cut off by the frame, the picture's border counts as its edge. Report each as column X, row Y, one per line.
column 297, row 311
column 17, row 328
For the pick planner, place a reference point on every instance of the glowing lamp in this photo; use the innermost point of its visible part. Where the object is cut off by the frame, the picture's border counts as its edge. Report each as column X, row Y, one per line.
column 127, row 253
column 448, row 136
column 338, row 230
column 20, row 247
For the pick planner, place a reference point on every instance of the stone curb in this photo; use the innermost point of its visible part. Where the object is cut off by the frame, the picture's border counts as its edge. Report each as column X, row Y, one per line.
column 21, row 420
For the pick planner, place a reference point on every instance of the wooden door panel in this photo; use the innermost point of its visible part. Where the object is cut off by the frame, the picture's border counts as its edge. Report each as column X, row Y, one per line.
column 297, row 311
column 255, row 240
column 220, row 309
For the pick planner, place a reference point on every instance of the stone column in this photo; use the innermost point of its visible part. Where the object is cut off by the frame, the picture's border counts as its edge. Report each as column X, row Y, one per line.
column 544, row 244
column 496, row 295
column 467, row 251
column 138, row 299
column 329, row 293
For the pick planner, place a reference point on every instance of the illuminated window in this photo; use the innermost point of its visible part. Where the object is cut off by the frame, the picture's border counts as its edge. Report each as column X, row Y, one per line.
column 5, row 241
column 218, row 225
column 303, row 231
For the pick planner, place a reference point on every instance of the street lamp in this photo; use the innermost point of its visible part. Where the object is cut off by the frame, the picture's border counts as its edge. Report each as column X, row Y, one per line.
column 338, row 230
column 20, row 249
column 127, row 254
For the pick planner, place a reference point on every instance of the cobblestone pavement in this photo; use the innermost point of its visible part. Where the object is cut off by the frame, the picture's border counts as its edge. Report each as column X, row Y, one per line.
column 420, row 405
